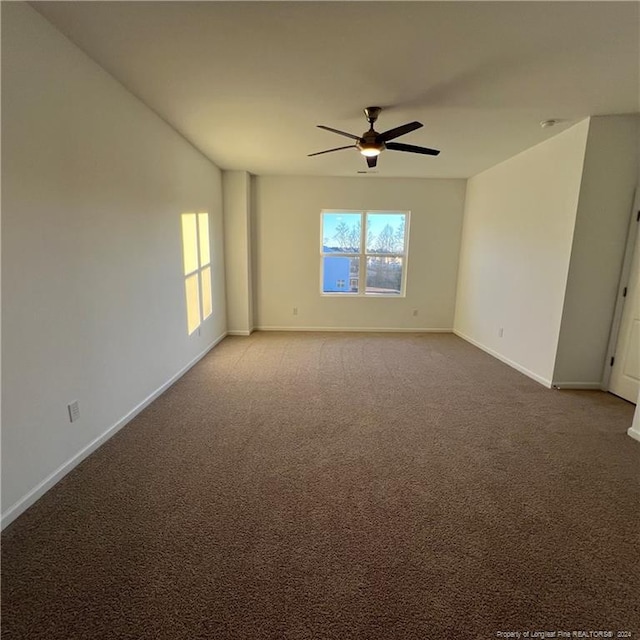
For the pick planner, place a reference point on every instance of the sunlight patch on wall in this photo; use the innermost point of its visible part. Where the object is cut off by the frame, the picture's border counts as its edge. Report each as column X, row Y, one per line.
column 189, row 243
column 207, row 303
column 203, row 230
column 193, row 303
column 196, row 254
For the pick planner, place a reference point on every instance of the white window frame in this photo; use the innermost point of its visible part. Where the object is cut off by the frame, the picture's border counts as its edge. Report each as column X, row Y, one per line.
column 363, row 254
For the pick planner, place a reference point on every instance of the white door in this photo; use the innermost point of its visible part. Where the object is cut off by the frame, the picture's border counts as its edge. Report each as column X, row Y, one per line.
column 625, row 373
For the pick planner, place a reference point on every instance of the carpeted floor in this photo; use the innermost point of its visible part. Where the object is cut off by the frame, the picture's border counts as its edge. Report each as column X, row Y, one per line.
column 340, row 486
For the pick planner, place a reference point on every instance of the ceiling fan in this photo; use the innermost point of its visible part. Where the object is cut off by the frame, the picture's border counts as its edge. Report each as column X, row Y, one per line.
column 372, row 143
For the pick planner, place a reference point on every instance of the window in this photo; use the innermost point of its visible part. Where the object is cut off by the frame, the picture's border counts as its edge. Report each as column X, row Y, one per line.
column 367, row 249
column 197, row 268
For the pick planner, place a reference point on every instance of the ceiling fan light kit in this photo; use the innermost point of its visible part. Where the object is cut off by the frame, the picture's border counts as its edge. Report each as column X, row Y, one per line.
column 369, row 151
column 371, row 144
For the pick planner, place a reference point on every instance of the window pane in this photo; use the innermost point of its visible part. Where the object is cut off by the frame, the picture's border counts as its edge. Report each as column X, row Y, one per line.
column 341, row 232
column 384, row 275
column 340, row 274
column 203, row 229
column 193, row 302
column 189, row 242
column 385, row 232
column 207, row 306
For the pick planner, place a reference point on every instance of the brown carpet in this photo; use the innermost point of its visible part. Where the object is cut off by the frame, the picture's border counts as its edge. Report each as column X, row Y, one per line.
column 347, row 486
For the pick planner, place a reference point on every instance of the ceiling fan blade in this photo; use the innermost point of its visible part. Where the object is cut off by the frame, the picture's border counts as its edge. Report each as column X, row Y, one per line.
column 350, row 146
column 398, row 131
column 411, row 148
column 372, row 161
column 342, row 133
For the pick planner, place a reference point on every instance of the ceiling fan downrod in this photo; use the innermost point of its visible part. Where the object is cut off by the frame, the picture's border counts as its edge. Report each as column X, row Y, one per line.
column 372, row 114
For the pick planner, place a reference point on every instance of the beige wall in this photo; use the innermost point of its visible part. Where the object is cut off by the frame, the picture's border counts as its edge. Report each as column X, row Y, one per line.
column 606, row 197
column 93, row 310
column 514, row 259
column 287, row 252
column 236, row 186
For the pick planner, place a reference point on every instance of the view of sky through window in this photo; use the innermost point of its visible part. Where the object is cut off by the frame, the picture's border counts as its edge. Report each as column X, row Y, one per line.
column 341, row 231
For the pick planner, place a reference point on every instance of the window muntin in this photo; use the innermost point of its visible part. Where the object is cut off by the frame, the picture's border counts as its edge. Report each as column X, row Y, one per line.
column 196, row 255
column 367, row 250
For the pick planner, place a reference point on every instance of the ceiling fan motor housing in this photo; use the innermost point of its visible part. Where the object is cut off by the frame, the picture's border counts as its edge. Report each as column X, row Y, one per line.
column 372, row 114
column 369, row 142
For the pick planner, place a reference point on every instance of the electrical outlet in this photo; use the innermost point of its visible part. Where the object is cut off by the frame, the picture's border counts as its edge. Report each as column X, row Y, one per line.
column 500, row 332
column 74, row 411
column 295, row 311
column 414, row 313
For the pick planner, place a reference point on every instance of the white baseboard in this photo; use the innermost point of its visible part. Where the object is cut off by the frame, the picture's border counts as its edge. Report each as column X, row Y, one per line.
column 239, row 333
column 592, row 386
column 39, row 490
column 511, row 363
column 635, row 434
column 359, row 329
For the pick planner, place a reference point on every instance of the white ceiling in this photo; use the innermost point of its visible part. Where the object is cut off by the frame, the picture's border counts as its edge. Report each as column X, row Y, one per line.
column 247, row 82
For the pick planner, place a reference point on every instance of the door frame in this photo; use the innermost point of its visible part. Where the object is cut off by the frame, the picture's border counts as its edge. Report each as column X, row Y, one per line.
column 634, row 220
